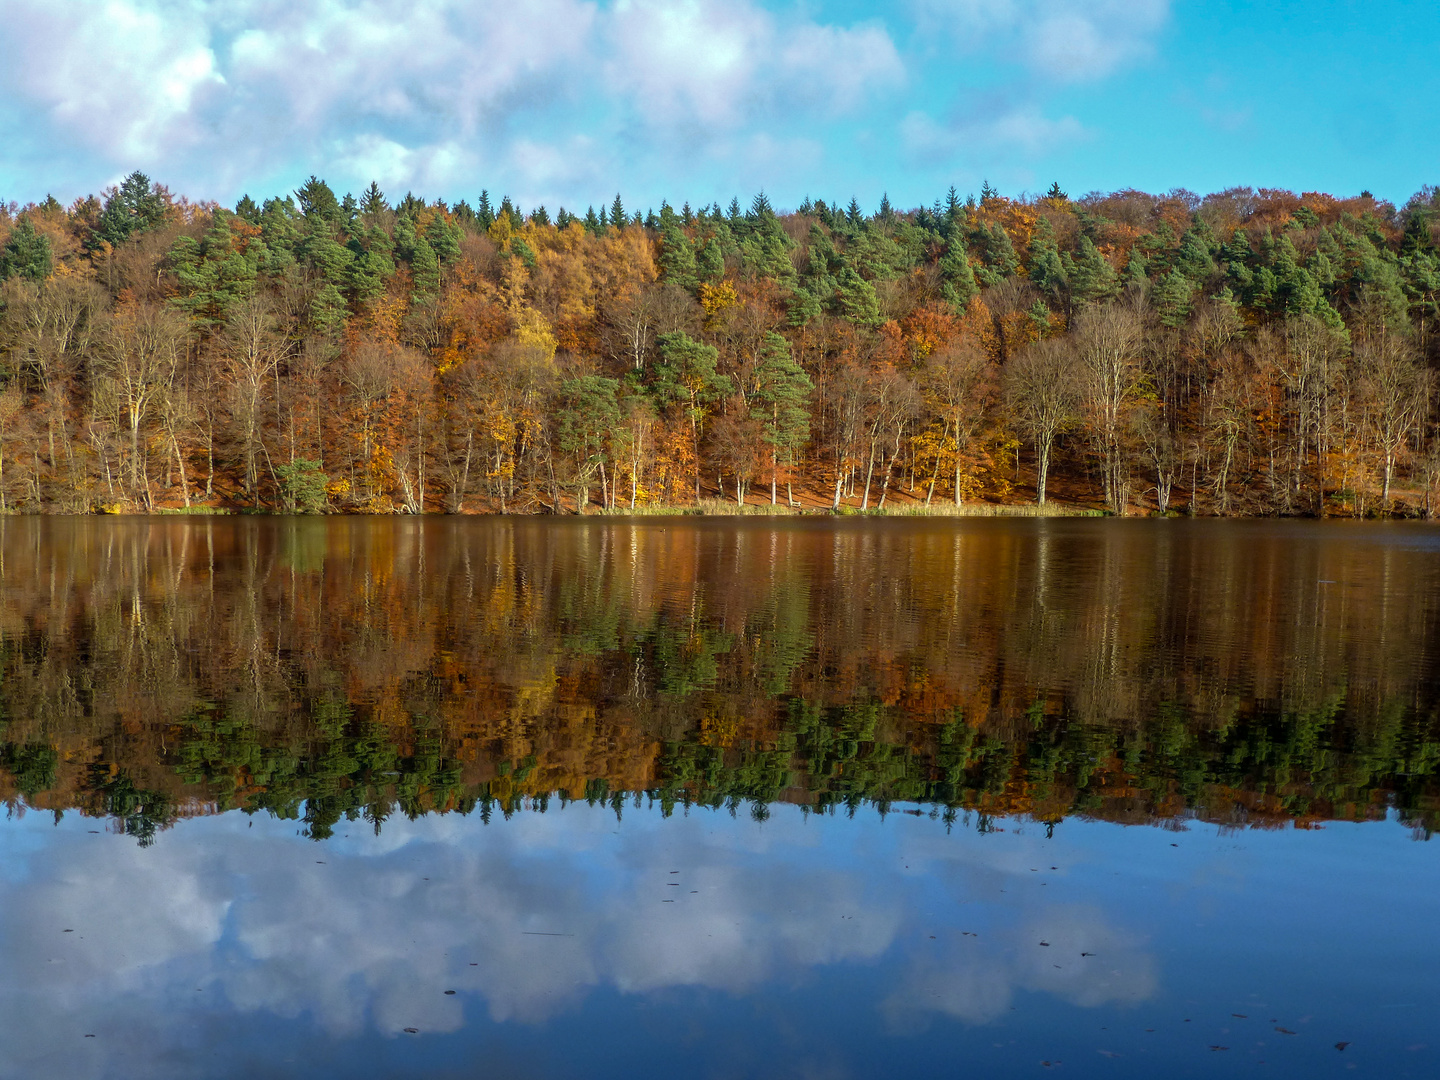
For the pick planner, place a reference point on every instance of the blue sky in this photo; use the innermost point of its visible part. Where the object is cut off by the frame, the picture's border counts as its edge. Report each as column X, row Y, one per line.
column 568, row 101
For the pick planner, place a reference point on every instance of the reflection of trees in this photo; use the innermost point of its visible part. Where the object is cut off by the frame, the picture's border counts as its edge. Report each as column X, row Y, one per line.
column 334, row 669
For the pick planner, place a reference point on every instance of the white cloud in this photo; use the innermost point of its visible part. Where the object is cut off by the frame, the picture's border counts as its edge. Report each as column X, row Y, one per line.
column 125, row 79
column 431, row 94
column 1061, row 40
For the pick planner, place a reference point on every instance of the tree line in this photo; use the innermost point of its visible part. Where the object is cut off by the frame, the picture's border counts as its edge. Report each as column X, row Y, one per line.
column 1248, row 352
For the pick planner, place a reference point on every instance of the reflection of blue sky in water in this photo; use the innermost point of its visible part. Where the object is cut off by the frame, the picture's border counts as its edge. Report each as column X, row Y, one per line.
column 228, row 947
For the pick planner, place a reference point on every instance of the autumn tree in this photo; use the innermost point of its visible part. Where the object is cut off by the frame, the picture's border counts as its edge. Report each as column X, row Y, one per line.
column 1041, row 388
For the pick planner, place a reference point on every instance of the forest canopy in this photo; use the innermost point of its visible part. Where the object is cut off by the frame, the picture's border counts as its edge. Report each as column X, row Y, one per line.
column 1245, row 352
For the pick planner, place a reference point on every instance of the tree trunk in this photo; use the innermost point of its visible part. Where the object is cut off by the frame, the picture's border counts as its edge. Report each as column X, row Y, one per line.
column 184, row 484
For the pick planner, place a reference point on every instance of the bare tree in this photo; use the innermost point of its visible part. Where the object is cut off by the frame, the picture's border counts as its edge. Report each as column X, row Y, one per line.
column 1395, row 392
column 961, row 382
column 134, row 371
column 253, row 350
column 1040, row 393
column 1107, row 341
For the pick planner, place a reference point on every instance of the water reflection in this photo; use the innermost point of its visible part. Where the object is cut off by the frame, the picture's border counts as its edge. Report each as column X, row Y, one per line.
column 330, row 669
column 805, row 799
column 591, row 947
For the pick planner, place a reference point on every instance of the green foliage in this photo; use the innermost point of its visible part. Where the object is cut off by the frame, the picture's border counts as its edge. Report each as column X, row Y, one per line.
column 302, row 487
column 26, row 253
column 32, row 766
column 855, row 297
column 677, row 253
column 781, row 394
column 135, row 206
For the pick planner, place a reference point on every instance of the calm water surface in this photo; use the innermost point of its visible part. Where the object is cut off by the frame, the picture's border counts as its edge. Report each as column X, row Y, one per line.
column 530, row 798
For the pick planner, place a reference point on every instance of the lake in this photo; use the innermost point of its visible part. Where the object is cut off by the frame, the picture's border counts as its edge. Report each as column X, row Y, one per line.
column 774, row 798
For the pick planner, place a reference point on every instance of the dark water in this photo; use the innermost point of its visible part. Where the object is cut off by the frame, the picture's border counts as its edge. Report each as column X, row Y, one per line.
column 985, row 798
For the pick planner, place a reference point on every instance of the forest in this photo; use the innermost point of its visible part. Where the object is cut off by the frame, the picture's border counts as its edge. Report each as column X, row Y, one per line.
column 1242, row 353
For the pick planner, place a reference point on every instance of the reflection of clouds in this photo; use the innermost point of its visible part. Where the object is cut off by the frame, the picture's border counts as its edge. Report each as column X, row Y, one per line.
column 974, row 978
column 529, row 915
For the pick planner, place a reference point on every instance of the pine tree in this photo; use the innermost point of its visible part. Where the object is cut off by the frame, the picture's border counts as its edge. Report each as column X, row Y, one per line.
column 686, row 378
column 781, row 392
column 677, row 253
column 135, row 206
column 1172, row 296
column 957, row 277
column 318, row 202
column 1047, row 271
column 710, row 260
column 26, row 254
column 617, row 212
column 857, row 300
column 1092, row 278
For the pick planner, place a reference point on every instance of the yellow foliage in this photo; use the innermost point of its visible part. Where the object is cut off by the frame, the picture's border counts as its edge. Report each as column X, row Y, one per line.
column 717, row 296
column 532, row 329
column 501, row 232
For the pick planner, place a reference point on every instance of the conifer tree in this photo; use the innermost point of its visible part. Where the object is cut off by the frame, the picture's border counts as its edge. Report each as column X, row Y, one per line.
column 781, row 392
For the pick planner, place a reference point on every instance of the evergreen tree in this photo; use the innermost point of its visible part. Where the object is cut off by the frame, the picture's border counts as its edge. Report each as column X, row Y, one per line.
column 1172, row 296
column 318, row 202
column 1193, row 259
column 26, row 254
column 373, row 206
column 1136, row 273
column 135, row 206
column 710, row 260
column 954, row 209
column 998, row 259
column 1047, row 272
column 957, row 277
column 587, row 416
column 617, row 212
column 677, row 253
column 1092, row 278
column 781, row 392
column 857, row 300
column 686, row 378
column 484, row 215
